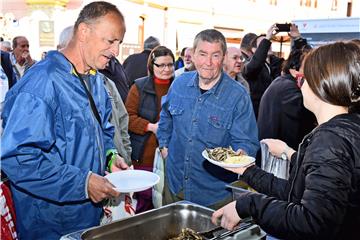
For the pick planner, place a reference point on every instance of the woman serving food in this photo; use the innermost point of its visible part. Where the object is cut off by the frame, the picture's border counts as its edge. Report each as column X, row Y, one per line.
column 321, row 199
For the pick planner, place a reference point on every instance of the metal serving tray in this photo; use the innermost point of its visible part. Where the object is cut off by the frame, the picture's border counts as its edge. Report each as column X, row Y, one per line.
column 164, row 223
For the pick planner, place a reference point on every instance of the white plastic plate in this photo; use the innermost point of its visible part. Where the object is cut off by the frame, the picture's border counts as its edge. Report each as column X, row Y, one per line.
column 132, row 180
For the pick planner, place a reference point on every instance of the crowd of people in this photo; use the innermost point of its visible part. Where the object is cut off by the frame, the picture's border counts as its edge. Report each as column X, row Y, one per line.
column 78, row 114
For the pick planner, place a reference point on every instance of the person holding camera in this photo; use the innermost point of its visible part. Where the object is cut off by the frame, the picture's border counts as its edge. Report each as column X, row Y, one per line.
column 259, row 70
column 298, row 42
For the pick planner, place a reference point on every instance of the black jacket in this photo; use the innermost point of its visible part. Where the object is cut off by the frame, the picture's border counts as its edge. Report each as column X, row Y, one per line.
column 115, row 72
column 282, row 114
column 321, row 199
column 135, row 66
column 8, row 69
column 257, row 73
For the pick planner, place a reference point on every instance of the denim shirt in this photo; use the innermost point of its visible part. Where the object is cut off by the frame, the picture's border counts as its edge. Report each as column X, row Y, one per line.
column 190, row 122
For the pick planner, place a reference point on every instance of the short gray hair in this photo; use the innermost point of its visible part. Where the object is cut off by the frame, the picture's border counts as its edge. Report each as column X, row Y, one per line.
column 151, row 42
column 65, row 36
column 92, row 11
column 211, row 36
column 5, row 44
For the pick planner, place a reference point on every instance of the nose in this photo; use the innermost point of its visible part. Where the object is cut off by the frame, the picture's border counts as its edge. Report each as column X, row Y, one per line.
column 115, row 49
column 208, row 60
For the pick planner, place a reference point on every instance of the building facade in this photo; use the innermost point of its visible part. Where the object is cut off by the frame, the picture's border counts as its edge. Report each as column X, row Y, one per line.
column 175, row 23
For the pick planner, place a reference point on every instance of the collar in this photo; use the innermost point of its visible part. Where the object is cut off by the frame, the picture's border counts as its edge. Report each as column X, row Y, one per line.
column 12, row 58
column 216, row 89
column 161, row 81
column 66, row 64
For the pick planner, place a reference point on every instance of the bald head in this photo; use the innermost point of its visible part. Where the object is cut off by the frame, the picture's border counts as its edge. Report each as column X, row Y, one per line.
column 233, row 61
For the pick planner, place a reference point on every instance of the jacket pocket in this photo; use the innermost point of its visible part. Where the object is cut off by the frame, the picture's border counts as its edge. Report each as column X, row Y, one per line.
column 218, row 126
column 175, row 110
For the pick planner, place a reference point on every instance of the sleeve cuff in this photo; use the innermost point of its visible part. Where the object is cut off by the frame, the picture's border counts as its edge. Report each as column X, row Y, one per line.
column 87, row 184
column 242, row 204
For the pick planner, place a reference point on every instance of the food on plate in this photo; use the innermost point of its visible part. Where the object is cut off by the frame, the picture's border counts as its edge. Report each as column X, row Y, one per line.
column 187, row 234
column 227, row 155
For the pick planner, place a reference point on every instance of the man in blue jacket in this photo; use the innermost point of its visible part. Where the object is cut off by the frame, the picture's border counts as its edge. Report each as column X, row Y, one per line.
column 204, row 109
column 57, row 134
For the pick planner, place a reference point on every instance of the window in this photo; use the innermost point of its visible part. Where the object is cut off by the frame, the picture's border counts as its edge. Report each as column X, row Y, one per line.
column 334, row 5
column 307, row 3
column 273, row 2
column 349, row 9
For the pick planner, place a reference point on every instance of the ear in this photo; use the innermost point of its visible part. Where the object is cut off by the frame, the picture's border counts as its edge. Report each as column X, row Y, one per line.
column 293, row 72
column 82, row 31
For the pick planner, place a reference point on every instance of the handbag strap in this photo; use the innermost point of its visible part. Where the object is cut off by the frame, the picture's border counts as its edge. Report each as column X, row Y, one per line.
column 90, row 98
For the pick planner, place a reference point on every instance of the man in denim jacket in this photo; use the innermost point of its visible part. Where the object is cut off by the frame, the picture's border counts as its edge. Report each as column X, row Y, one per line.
column 204, row 109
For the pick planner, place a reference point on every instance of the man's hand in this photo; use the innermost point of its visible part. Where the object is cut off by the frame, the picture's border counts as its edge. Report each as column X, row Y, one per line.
column 228, row 215
column 271, row 32
column 294, row 31
column 28, row 59
column 99, row 188
column 119, row 164
column 164, row 152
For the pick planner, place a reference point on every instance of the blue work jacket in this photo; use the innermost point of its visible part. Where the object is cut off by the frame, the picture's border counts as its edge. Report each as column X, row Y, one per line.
column 190, row 122
column 50, row 143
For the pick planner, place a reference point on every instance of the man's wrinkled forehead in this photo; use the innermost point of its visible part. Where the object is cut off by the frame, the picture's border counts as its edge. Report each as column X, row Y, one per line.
column 232, row 51
column 22, row 42
column 204, row 46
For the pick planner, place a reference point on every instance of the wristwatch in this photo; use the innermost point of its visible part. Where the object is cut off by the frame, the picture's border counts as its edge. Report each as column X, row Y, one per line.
column 283, row 154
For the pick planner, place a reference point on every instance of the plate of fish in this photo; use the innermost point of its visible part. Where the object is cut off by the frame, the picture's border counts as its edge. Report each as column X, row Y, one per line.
column 227, row 157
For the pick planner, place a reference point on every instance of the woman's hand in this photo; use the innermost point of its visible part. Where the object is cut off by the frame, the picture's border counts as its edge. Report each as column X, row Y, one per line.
column 228, row 215
column 240, row 170
column 152, row 127
column 277, row 147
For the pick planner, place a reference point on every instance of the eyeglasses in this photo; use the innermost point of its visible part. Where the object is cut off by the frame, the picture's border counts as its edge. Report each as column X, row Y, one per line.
column 300, row 79
column 241, row 58
column 163, row 66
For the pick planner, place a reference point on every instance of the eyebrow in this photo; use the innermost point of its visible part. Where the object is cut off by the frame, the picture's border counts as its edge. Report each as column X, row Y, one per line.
column 114, row 40
column 217, row 52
